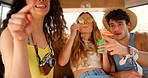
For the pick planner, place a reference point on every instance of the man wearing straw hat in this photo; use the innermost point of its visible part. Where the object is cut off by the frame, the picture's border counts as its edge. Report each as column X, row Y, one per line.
column 126, row 46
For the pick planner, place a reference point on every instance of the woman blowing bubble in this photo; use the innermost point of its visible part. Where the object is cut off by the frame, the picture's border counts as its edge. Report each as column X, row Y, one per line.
column 82, row 50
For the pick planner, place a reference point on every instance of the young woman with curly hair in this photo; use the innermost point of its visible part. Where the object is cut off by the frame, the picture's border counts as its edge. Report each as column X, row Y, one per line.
column 28, row 32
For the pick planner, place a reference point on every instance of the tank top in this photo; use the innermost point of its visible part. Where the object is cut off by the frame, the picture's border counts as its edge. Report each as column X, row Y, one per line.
column 130, row 63
column 93, row 60
column 33, row 62
column 132, row 43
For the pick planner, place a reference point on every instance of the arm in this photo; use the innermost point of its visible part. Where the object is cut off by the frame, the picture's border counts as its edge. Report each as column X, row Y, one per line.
column 65, row 54
column 14, row 41
column 15, row 56
column 141, row 42
column 106, row 63
column 142, row 56
column 126, row 74
column 105, row 59
column 112, row 71
column 122, row 74
column 7, row 50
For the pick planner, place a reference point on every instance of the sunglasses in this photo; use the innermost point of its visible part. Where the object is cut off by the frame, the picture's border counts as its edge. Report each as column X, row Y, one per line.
column 81, row 20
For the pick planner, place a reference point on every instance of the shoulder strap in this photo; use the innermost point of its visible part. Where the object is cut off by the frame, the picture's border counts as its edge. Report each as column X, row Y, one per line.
column 29, row 40
column 132, row 39
column 36, row 48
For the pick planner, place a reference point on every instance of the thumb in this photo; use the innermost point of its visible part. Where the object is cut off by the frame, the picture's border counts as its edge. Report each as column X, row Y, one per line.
column 29, row 27
column 113, row 53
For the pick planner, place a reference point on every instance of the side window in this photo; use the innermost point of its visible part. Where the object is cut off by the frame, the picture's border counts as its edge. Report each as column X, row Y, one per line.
column 142, row 16
column 4, row 8
column 140, row 11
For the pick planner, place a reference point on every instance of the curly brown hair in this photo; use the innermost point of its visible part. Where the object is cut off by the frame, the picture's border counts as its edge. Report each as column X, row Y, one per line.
column 54, row 24
column 78, row 44
column 116, row 15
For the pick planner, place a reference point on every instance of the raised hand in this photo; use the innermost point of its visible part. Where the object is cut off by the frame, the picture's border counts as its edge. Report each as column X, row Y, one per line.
column 101, row 49
column 21, row 23
column 74, row 28
column 115, row 47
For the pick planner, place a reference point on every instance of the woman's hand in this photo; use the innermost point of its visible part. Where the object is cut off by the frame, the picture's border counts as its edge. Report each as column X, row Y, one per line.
column 21, row 23
column 101, row 49
column 74, row 28
column 105, row 60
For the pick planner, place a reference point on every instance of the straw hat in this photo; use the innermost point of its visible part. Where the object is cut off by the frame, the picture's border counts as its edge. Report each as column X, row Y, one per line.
column 132, row 16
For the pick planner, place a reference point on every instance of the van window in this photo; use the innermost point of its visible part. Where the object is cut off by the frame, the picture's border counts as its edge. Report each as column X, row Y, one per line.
column 142, row 16
column 3, row 12
column 140, row 11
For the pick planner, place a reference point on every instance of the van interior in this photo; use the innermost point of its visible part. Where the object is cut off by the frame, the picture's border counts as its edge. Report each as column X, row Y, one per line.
column 72, row 8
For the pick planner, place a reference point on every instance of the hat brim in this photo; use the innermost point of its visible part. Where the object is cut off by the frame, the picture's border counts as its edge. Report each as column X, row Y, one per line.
column 132, row 16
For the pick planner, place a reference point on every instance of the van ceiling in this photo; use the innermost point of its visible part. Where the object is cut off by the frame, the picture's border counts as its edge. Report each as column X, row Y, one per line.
column 71, row 4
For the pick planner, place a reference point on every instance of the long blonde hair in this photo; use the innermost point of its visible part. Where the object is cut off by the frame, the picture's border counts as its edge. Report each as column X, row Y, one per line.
column 78, row 45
